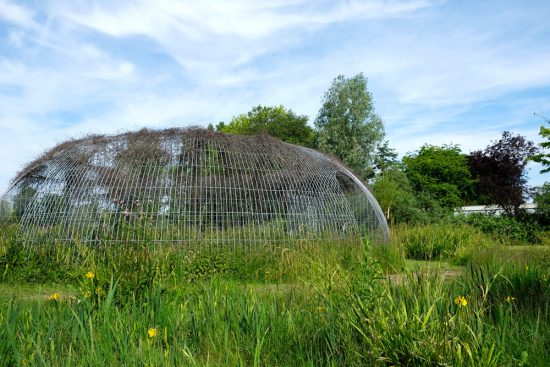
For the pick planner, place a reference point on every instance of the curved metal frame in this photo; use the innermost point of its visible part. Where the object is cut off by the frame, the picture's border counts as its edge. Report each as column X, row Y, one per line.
column 190, row 186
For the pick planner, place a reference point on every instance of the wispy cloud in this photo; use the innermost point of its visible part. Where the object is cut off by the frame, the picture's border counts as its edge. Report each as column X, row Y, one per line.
column 439, row 71
column 211, row 39
column 16, row 14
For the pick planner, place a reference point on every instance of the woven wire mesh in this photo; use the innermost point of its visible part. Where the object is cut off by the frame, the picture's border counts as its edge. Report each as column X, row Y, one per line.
column 189, row 186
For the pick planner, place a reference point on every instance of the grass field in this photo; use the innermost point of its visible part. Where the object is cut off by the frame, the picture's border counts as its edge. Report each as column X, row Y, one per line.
column 436, row 296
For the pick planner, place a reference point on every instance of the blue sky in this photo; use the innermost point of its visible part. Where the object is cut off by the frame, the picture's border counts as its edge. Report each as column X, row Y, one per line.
column 440, row 72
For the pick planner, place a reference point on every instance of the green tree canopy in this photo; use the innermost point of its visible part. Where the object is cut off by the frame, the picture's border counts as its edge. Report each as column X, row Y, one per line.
column 542, row 157
column 276, row 121
column 386, row 158
column 397, row 197
column 348, row 126
column 441, row 172
column 541, row 197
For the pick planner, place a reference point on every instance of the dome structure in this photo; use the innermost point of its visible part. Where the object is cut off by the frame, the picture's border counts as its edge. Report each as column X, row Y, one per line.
column 189, row 186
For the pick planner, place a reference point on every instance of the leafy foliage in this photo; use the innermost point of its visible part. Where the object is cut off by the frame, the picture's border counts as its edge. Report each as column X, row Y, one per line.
column 276, row 121
column 397, row 197
column 505, row 227
column 541, row 197
column 500, row 171
column 348, row 126
column 544, row 158
column 46, row 265
column 441, row 173
column 386, row 158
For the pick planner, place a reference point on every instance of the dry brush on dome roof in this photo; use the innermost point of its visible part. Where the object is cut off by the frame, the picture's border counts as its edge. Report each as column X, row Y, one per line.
column 189, row 186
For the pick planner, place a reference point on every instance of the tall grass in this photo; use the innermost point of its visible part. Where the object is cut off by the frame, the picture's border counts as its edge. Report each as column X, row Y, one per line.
column 313, row 304
column 440, row 241
column 489, row 318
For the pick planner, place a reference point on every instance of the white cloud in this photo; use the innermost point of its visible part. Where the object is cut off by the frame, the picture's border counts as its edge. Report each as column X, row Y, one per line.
column 100, row 65
column 109, row 66
column 209, row 38
column 246, row 19
column 17, row 14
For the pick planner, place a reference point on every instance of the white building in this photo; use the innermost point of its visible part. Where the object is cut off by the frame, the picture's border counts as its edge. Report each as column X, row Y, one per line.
column 492, row 209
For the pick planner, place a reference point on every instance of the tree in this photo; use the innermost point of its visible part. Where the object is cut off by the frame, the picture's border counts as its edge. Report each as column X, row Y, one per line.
column 544, row 158
column 541, row 197
column 397, row 197
column 276, row 121
column 440, row 173
column 386, row 158
column 348, row 126
column 500, row 171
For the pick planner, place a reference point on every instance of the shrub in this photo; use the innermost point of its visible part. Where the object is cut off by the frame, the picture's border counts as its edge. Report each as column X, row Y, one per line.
column 505, row 228
column 47, row 264
column 441, row 241
column 541, row 197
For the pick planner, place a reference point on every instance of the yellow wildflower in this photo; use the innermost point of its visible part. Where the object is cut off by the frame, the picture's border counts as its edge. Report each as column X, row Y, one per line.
column 99, row 291
column 152, row 332
column 54, row 296
column 510, row 299
column 86, row 294
column 321, row 309
column 461, row 301
column 90, row 275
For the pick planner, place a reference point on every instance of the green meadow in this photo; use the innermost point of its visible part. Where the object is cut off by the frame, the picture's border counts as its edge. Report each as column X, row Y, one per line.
column 436, row 295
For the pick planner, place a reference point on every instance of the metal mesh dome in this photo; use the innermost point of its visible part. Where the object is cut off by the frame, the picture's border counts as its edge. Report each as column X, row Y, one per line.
column 189, row 186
